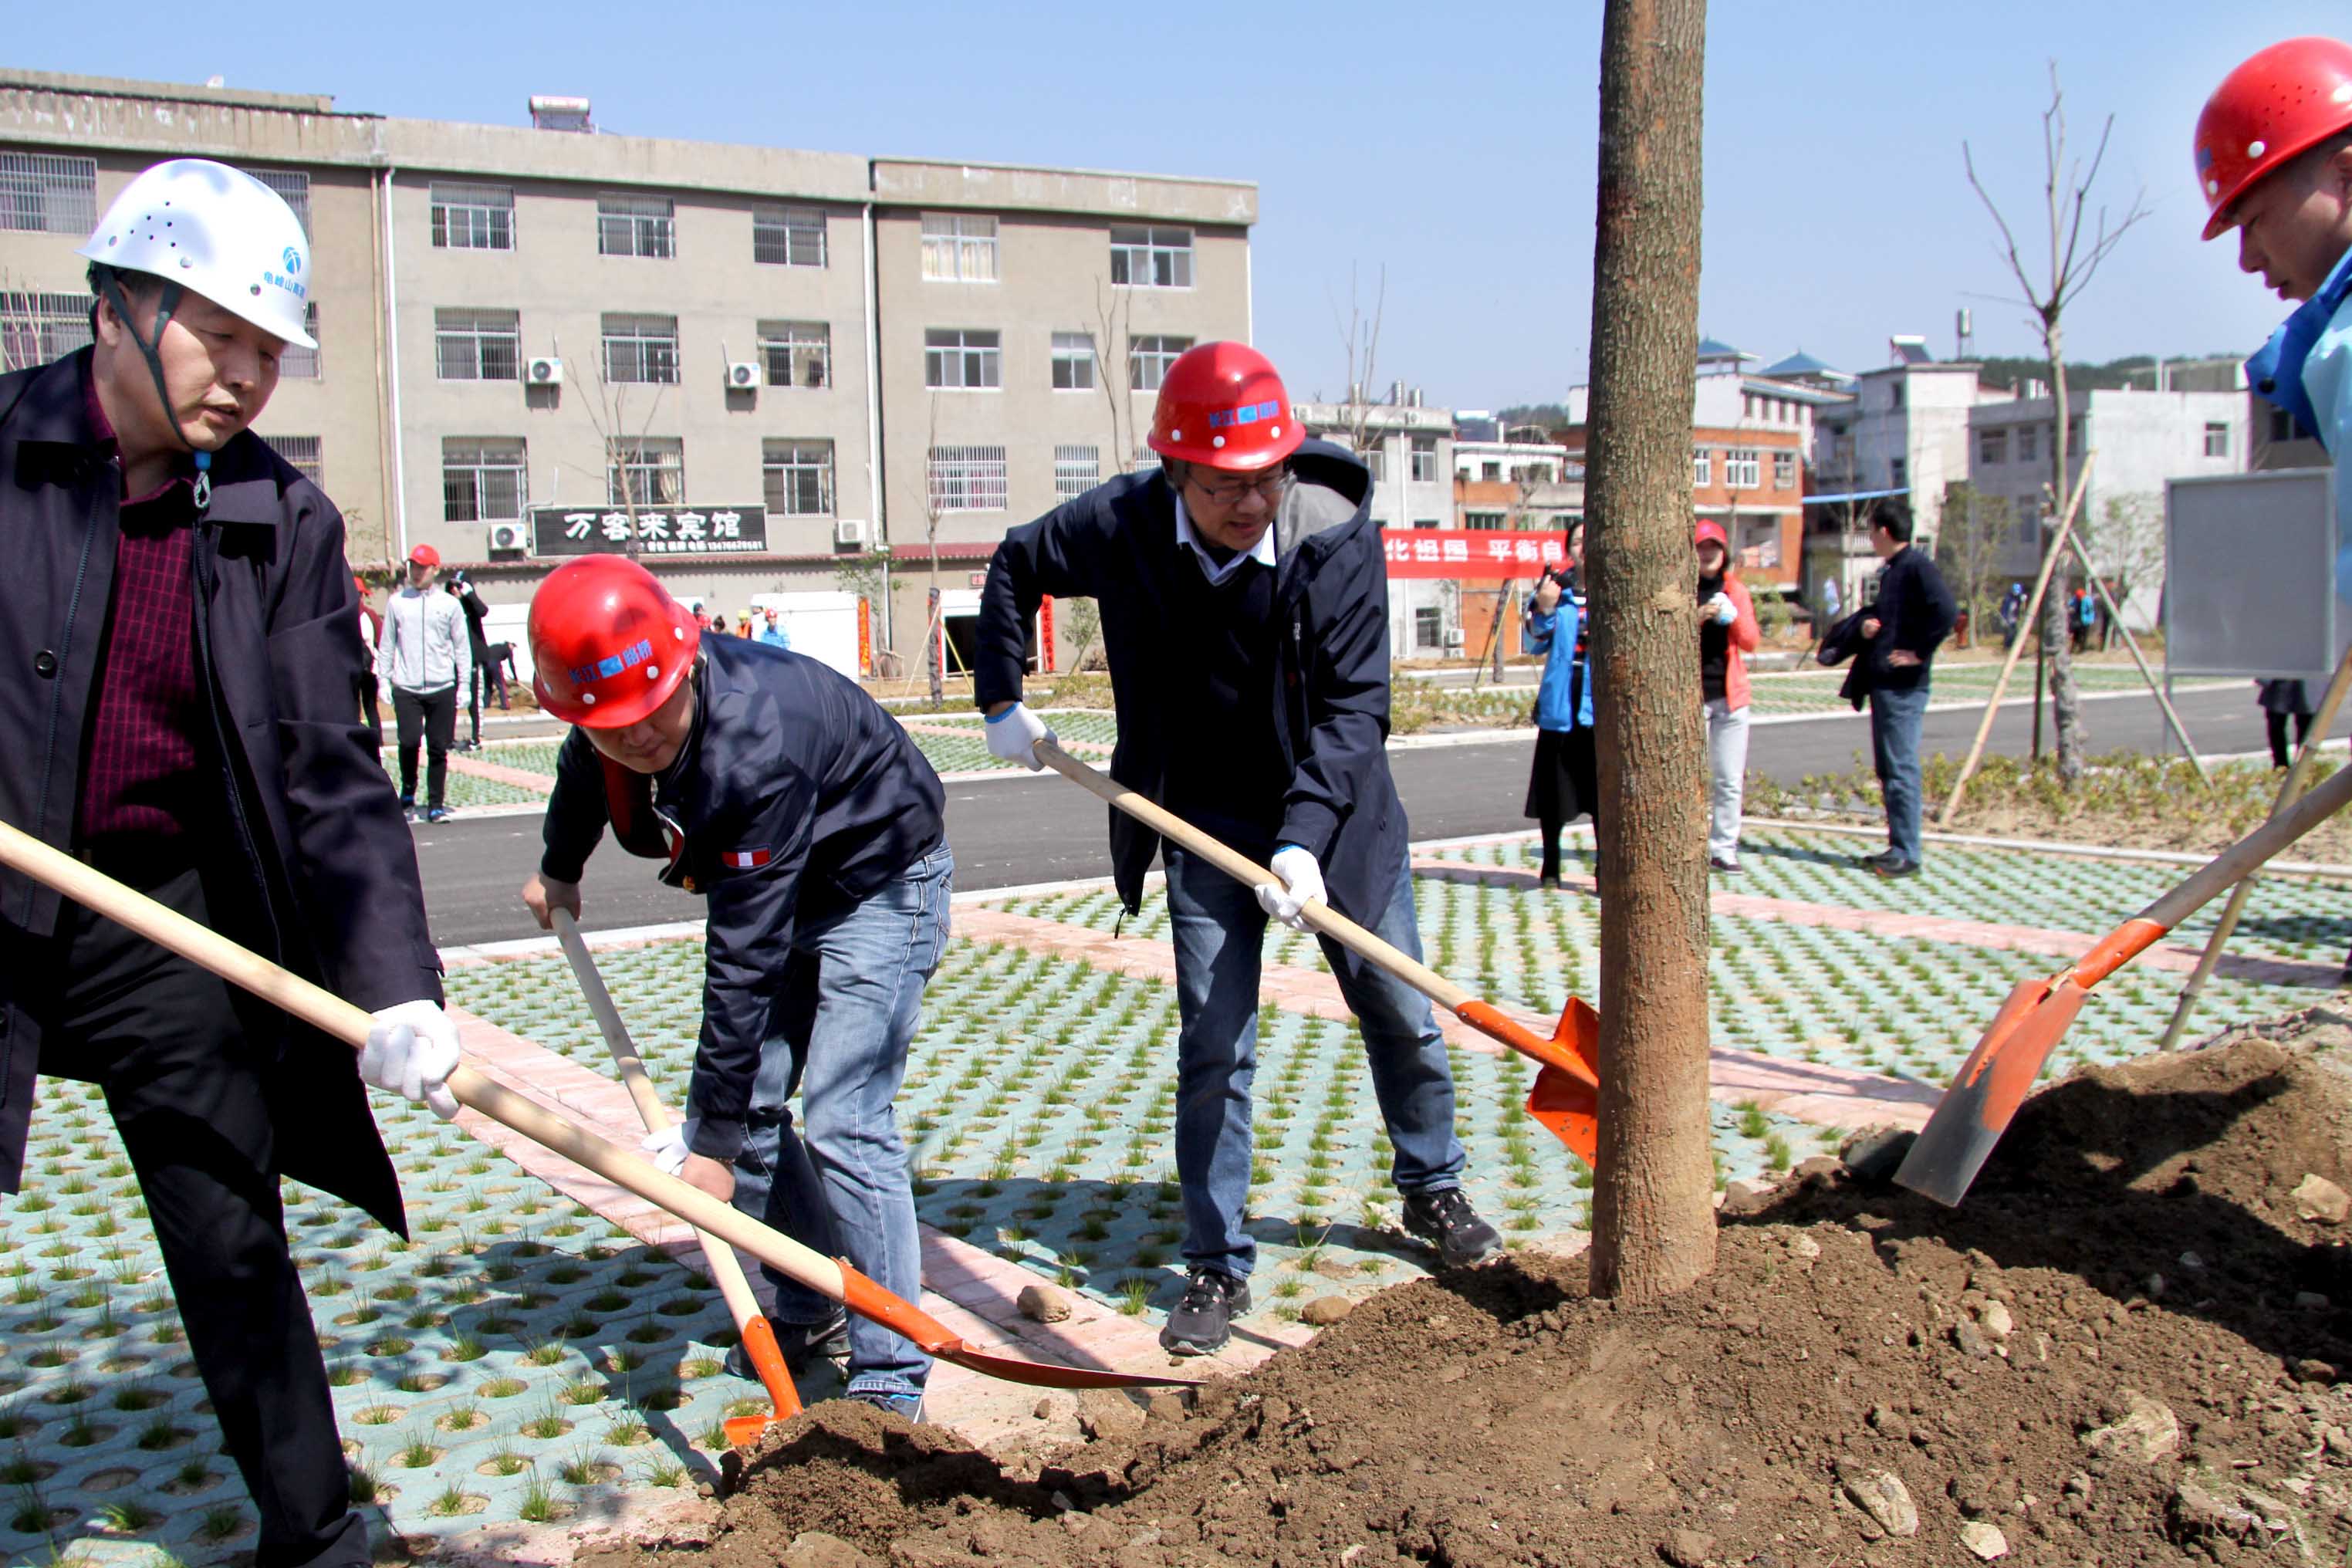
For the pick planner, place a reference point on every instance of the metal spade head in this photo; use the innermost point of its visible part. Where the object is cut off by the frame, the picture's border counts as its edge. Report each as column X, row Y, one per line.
column 1993, row 1082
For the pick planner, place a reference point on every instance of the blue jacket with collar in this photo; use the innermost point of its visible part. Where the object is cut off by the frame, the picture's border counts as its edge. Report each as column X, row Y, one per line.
column 796, row 797
column 1116, row 544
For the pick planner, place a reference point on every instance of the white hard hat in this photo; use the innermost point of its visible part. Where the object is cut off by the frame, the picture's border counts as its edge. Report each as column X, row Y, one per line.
column 217, row 232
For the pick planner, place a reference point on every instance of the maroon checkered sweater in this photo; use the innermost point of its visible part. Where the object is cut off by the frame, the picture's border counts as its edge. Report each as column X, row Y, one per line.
column 141, row 751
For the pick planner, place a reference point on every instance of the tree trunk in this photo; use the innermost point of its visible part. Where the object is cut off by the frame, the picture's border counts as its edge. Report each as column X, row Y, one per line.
column 1652, row 1211
column 2057, row 631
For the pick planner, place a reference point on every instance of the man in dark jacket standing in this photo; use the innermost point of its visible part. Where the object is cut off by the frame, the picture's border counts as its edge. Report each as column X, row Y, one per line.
column 785, row 796
column 183, row 635
column 1243, row 593
column 1911, row 613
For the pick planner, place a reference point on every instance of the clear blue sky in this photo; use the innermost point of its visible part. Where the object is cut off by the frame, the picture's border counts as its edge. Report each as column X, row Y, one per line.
column 1453, row 146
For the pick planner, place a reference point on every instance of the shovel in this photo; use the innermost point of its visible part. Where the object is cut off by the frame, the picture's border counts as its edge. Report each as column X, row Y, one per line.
column 330, row 1015
column 1998, row 1074
column 1566, row 1098
column 726, row 1270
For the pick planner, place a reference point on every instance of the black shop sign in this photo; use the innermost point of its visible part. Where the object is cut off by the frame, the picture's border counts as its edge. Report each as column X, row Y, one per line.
column 650, row 530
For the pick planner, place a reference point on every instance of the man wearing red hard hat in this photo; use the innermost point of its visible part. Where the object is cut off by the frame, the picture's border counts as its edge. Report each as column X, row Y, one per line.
column 785, row 796
column 428, row 658
column 1243, row 593
column 2273, row 151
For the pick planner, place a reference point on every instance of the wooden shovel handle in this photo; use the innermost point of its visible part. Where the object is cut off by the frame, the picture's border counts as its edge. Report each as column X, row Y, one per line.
column 1321, row 916
column 2323, row 801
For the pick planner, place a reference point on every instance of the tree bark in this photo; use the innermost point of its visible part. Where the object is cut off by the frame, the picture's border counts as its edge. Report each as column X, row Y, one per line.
column 1653, row 1213
column 2057, row 611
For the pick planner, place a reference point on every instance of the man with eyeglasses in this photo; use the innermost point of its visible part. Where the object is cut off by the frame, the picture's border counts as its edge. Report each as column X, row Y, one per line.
column 1244, row 593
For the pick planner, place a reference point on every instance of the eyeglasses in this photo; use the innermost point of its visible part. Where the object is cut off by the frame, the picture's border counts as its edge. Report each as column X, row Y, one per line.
column 1273, row 486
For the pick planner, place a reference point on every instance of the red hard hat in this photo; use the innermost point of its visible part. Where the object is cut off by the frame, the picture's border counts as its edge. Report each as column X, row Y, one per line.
column 1222, row 405
column 608, row 644
column 2283, row 102
column 425, row 555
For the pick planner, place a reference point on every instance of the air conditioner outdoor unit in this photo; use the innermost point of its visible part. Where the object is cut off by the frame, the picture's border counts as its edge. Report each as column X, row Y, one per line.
column 507, row 539
column 1453, row 637
column 548, row 371
column 849, row 531
column 742, row 377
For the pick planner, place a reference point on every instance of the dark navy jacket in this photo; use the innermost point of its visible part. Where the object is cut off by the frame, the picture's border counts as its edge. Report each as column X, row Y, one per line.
column 1116, row 544
column 309, row 804
column 796, row 797
column 1914, row 612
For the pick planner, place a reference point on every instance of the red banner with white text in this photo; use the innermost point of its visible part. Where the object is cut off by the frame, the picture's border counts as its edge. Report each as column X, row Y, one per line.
column 1470, row 552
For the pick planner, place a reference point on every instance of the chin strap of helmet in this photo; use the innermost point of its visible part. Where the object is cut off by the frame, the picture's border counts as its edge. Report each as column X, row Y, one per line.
column 172, row 294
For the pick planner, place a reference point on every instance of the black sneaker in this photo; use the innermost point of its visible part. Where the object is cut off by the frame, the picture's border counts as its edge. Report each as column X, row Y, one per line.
column 1892, row 865
column 1202, row 1321
column 801, row 1342
column 1717, row 863
column 408, row 808
column 1446, row 1221
column 438, row 813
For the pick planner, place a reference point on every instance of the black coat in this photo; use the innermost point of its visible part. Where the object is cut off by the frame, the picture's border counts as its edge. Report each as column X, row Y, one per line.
column 1916, row 612
column 1116, row 544
column 1842, row 642
column 277, row 637
column 796, row 797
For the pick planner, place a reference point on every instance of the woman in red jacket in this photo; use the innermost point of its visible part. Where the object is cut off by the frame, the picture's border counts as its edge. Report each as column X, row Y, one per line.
column 1727, row 635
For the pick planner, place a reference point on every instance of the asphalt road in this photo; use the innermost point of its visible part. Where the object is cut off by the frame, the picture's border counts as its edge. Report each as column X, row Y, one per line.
column 1009, row 831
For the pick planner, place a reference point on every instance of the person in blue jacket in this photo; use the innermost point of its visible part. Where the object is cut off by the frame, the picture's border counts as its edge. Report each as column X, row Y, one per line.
column 782, row 794
column 1563, row 782
column 1244, row 595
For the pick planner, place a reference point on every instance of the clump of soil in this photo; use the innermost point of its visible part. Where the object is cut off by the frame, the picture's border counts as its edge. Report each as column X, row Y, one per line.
column 2122, row 1349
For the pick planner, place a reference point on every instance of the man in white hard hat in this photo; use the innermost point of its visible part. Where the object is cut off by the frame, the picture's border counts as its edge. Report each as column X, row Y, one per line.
column 179, row 631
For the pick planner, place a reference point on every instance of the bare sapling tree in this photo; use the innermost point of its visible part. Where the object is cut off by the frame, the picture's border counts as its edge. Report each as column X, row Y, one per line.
column 2046, row 290
column 1653, row 1210
column 1359, row 337
column 631, row 476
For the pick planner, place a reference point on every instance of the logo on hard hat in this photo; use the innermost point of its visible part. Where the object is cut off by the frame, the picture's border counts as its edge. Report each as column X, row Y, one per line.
column 1249, row 414
column 293, row 259
column 613, row 663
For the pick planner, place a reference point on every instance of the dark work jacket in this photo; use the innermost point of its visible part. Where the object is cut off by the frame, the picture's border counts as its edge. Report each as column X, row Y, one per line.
column 278, row 639
column 1116, row 544
column 796, row 797
column 1842, row 642
column 1914, row 610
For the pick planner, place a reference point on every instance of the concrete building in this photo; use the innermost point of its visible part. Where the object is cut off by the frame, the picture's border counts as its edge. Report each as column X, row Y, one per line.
column 752, row 364
column 1410, row 448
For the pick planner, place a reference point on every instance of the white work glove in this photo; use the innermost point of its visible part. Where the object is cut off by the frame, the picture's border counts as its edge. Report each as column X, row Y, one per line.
column 411, row 1051
column 1303, row 880
column 667, row 1149
column 1013, row 735
column 1721, row 607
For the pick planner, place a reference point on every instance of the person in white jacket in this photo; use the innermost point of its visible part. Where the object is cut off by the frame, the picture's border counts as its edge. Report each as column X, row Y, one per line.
column 427, row 658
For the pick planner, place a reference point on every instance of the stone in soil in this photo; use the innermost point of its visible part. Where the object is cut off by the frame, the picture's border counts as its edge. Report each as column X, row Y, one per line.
column 1795, row 1410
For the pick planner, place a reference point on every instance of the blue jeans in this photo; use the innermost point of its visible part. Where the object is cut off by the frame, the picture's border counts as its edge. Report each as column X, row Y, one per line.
column 851, row 1000
column 1219, row 929
column 1894, row 720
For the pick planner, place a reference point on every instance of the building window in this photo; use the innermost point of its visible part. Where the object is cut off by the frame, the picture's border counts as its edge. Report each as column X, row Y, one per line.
column 1992, row 445
column 2029, row 443
column 44, row 195
column 2217, row 439
column 1077, row 470
column 1147, row 359
column 962, row 359
column 1377, row 459
column 1146, row 460
column 292, row 184
column 798, row 477
column 295, row 360
column 1491, row 473
column 636, row 225
column 1425, row 457
column 641, row 349
column 473, row 218
column 1074, row 361
column 1894, row 394
column 1152, row 258
column 1743, row 468
column 1428, row 626
column 1784, row 470
column 788, row 236
column 1895, row 472
column 302, row 451
column 797, row 353
column 647, row 472
column 483, row 480
column 967, row 479
column 478, row 345
column 959, row 247
column 2282, row 424
column 1482, row 520
column 1702, row 467
column 37, row 328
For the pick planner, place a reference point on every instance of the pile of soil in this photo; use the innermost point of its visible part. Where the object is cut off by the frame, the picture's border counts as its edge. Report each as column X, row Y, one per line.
column 2123, row 1349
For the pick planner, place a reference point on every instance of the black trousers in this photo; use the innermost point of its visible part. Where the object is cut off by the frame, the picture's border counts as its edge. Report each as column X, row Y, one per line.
column 181, row 1058
column 368, row 691
column 2277, row 724
column 431, row 716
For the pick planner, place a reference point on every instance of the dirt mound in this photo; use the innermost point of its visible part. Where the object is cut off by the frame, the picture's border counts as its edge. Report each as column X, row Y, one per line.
column 2123, row 1349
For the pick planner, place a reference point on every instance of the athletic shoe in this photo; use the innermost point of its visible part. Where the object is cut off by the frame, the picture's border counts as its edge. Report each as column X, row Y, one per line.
column 1717, row 863
column 801, row 1342
column 1446, row 1221
column 1202, row 1321
column 438, row 813
column 1892, row 865
column 408, row 808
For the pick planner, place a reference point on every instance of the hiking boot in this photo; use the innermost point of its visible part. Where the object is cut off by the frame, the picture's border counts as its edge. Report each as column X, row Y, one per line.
column 1202, row 1321
column 1446, row 1221
column 909, row 1406
column 802, row 1343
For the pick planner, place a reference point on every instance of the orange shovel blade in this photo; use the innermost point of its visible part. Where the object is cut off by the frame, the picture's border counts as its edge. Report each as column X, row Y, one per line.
column 866, row 1299
column 768, row 1360
column 1567, row 1099
column 1993, row 1082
